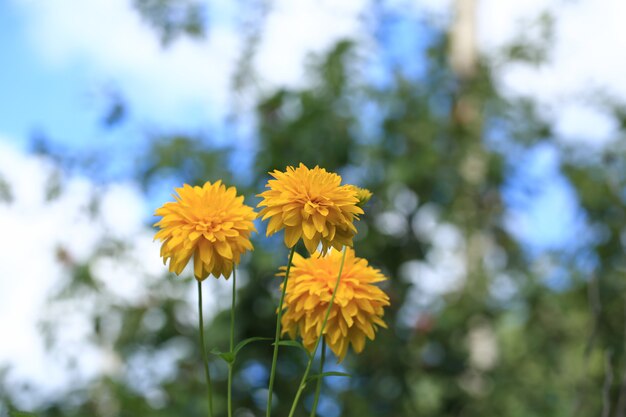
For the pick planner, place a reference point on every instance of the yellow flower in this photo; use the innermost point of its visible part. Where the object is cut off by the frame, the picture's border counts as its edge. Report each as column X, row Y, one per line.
column 310, row 204
column 210, row 223
column 357, row 309
column 362, row 194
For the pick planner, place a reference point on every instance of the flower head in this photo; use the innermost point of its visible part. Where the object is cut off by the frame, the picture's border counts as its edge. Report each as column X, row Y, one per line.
column 310, row 204
column 357, row 309
column 362, row 194
column 210, row 223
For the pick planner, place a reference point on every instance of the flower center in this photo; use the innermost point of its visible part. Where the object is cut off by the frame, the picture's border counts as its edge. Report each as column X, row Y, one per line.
column 214, row 227
column 205, row 225
column 316, row 204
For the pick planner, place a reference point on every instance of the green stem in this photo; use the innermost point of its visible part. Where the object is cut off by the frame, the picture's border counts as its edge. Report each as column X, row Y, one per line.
column 318, row 386
column 279, row 315
column 232, row 346
column 319, row 339
column 203, row 349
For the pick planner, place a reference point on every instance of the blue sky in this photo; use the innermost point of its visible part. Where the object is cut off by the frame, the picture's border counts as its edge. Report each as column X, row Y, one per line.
column 66, row 99
column 36, row 97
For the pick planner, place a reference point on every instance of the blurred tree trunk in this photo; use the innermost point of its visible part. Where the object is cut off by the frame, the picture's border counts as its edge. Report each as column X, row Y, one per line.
column 463, row 51
column 467, row 127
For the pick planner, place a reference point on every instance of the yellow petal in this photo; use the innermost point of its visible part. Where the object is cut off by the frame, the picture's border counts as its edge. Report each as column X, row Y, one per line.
column 197, row 267
column 206, row 252
column 291, row 218
column 319, row 222
column 357, row 339
column 292, row 235
column 309, row 229
column 347, row 317
column 311, row 244
column 311, row 302
column 223, row 248
column 274, row 225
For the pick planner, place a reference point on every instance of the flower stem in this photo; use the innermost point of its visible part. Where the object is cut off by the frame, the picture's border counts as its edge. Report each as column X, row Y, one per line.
column 232, row 346
column 203, row 349
column 318, row 386
column 279, row 315
column 319, row 339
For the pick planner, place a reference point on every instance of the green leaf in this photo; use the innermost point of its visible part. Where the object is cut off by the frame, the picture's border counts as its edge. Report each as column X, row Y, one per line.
column 228, row 357
column 331, row 373
column 293, row 343
column 247, row 341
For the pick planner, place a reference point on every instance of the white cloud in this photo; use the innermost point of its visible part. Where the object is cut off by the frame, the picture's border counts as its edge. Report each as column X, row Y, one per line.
column 34, row 229
column 295, row 29
column 123, row 210
column 577, row 122
column 32, row 270
column 500, row 22
column 108, row 39
column 589, row 38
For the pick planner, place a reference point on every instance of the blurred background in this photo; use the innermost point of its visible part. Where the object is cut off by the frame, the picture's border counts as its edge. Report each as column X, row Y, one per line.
column 491, row 133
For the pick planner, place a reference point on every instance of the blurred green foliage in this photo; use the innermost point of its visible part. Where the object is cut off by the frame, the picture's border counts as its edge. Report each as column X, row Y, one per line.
column 173, row 18
column 419, row 143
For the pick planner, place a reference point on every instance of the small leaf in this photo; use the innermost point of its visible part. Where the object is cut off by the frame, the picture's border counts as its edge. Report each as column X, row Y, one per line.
column 228, row 357
column 331, row 373
column 247, row 341
column 293, row 343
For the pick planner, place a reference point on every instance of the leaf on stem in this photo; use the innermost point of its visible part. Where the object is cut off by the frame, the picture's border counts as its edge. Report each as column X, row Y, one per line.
column 228, row 357
column 247, row 341
column 293, row 343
